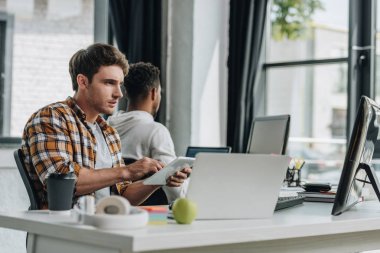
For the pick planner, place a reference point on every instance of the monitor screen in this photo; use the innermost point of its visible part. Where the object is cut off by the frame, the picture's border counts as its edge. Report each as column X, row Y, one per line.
column 357, row 169
column 192, row 151
column 269, row 135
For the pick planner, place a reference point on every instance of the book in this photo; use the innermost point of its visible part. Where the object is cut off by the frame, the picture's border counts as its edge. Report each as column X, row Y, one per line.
column 157, row 214
column 328, row 196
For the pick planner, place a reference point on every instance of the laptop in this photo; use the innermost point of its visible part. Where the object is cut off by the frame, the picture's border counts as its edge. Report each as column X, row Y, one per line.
column 193, row 151
column 236, row 186
column 269, row 135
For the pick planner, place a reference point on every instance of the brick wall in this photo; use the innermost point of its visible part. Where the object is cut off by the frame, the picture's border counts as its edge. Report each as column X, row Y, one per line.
column 43, row 45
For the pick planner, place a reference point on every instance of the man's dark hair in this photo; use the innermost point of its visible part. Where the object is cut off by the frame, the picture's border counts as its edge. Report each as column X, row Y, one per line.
column 88, row 61
column 142, row 77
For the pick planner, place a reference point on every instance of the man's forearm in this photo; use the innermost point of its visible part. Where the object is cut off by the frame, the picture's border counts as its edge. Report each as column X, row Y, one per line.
column 137, row 192
column 92, row 180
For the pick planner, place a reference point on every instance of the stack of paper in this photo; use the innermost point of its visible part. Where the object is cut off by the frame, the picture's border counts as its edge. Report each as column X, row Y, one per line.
column 157, row 214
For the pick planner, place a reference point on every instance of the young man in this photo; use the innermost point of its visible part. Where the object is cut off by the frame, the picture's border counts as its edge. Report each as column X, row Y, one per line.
column 137, row 127
column 71, row 136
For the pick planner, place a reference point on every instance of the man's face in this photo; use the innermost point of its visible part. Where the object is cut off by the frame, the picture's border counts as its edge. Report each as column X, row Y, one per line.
column 104, row 91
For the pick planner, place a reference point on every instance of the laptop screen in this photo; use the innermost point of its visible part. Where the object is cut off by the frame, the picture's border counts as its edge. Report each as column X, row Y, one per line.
column 269, row 135
column 192, row 151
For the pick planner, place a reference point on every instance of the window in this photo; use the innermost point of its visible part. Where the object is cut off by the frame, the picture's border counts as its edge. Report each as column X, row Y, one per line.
column 377, row 71
column 6, row 28
column 3, row 24
column 308, row 30
column 306, row 77
column 46, row 34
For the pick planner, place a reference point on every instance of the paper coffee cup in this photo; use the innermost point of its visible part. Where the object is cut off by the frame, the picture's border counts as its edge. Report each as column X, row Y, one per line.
column 60, row 191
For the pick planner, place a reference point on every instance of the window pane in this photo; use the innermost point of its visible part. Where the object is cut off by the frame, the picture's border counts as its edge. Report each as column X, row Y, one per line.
column 46, row 35
column 299, row 33
column 316, row 99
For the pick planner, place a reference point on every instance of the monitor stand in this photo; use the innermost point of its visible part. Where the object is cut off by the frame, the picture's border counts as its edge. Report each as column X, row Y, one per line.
column 371, row 177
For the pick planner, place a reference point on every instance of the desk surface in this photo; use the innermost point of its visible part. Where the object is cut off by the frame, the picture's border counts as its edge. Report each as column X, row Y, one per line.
column 311, row 222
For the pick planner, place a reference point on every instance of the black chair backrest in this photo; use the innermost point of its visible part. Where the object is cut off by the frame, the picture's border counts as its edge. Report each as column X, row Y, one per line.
column 26, row 179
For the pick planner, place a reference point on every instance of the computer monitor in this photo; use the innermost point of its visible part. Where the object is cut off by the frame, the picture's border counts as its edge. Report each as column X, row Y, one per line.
column 357, row 169
column 269, row 135
column 192, row 151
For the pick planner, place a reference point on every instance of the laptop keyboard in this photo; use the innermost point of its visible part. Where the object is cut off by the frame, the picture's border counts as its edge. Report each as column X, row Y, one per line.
column 289, row 201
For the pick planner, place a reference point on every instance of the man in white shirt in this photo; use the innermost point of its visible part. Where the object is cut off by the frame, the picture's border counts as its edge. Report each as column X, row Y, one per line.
column 140, row 135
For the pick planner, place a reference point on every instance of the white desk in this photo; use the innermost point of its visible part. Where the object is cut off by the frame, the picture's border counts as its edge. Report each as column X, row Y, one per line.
column 307, row 228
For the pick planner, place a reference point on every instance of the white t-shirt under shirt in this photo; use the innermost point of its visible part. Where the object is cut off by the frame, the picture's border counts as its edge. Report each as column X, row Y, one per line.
column 103, row 158
column 142, row 137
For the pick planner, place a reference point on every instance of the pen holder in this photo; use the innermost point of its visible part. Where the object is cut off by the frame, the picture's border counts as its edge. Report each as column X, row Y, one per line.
column 293, row 177
column 293, row 173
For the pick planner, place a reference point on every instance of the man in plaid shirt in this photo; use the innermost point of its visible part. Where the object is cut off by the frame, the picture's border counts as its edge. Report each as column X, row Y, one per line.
column 71, row 136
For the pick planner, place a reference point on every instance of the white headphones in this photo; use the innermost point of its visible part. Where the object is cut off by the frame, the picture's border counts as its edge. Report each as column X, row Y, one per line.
column 113, row 205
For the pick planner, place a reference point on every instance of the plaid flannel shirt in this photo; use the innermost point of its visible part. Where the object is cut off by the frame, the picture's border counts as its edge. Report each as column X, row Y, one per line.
column 56, row 138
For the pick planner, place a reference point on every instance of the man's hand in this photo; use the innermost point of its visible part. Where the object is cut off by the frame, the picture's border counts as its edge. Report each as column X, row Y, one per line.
column 178, row 178
column 141, row 168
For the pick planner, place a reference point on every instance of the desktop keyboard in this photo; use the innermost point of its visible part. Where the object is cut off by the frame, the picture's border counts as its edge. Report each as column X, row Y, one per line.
column 289, row 201
column 282, row 203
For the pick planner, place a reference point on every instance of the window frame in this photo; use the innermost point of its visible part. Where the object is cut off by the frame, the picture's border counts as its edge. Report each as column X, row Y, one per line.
column 356, row 87
column 101, row 34
column 6, row 103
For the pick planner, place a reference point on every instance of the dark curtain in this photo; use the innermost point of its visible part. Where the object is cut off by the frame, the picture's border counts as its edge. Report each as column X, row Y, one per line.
column 247, row 21
column 136, row 25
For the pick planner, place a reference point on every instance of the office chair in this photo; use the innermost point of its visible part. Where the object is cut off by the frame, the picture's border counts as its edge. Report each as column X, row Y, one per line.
column 157, row 198
column 19, row 158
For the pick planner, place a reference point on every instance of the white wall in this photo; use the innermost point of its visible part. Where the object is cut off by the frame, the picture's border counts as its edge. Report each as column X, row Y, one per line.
column 13, row 198
column 209, row 82
column 197, row 72
column 179, row 72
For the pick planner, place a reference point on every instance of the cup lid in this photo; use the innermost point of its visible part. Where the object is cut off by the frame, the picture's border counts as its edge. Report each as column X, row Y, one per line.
column 69, row 175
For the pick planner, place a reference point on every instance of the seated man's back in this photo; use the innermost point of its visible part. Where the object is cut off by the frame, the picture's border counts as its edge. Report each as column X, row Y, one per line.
column 140, row 135
column 143, row 136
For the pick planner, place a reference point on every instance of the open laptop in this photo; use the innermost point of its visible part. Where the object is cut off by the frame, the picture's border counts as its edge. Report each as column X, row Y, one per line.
column 269, row 135
column 193, row 151
column 236, row 186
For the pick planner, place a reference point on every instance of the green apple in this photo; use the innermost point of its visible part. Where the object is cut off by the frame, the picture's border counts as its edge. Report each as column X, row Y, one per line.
column 184, row 211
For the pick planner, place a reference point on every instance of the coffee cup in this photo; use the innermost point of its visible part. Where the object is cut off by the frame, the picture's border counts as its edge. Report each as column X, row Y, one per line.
column 60, row 191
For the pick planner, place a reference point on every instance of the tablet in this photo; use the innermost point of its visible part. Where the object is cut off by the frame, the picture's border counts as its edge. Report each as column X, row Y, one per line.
column 160, row 177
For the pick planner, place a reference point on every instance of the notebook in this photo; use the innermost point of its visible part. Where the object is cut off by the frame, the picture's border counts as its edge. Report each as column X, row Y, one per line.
column 236, row 186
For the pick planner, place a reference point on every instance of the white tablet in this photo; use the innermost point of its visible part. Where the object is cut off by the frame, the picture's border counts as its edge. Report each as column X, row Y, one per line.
column 160, row 177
